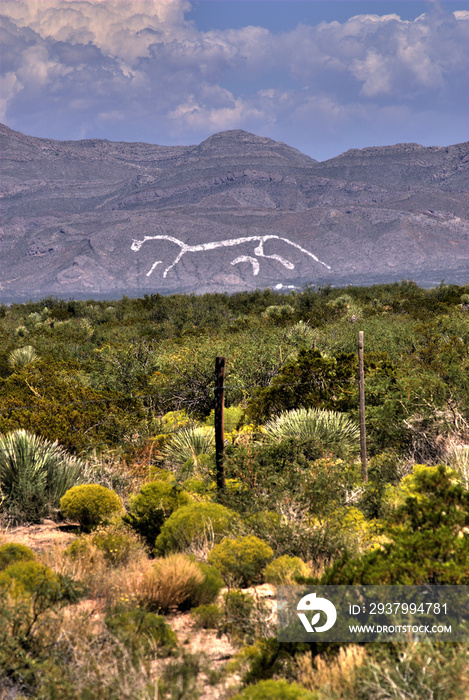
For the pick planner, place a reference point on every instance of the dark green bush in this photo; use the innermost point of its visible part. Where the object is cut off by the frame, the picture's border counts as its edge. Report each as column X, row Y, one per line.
column 195, row 525
column 309, row 380
column 143, row 632
column 149, row 508
column 275, row 690
column 241, row 561
column 11, row 553
column 429, row 541
column 90, row 504
column 207, row 616
column 207, row 591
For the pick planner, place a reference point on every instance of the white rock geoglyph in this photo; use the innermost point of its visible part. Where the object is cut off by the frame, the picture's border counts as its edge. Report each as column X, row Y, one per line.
column 227, row 243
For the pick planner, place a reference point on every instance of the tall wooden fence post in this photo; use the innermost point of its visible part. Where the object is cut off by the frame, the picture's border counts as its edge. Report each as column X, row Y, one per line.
column 361, row 386
column 220, row 422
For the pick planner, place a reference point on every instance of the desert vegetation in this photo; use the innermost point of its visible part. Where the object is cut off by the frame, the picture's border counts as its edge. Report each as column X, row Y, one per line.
column 106, row 436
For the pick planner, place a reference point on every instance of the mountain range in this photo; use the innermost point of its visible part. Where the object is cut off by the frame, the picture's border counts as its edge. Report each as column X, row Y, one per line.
column 100, row 219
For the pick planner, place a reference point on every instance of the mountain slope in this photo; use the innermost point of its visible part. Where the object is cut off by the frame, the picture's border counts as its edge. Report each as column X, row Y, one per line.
column 237, row 211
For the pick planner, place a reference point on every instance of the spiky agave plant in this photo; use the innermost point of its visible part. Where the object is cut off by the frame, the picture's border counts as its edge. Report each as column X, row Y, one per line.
column 189, row 444
column 329, row 430
column 20, row 357
column 34, row 475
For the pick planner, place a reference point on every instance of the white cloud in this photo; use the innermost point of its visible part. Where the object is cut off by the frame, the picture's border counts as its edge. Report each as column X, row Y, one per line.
column 101, row 63
column 37, row 68
column 229, row 113
column 10, row 87
column 121, row 28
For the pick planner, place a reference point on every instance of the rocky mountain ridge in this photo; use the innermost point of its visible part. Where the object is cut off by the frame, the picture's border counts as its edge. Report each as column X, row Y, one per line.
column 238, row 211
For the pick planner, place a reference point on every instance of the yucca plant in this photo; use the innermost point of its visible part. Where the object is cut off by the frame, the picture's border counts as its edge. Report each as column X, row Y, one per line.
column 20, row 357
column 34, row 475
column 188, row 445
column 329, row 430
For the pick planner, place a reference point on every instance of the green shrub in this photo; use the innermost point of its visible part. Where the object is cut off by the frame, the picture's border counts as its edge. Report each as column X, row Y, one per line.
column 245, row 617
column 207, row 616
column 241, row 561
column 12, row 552
column 118, row 543
column 275, row 690
column 202, row 488
column 46, row 587
column 142, row 632
column 428, row 541
column 155, row 502
column 233, row 416
column 34, row 474
column 207, row 590
column 90, row 504
column 264, row 524
column 286, row 570
column 195, row 525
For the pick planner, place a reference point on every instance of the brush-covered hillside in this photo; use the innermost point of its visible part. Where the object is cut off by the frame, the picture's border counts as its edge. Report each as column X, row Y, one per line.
column 128, row 571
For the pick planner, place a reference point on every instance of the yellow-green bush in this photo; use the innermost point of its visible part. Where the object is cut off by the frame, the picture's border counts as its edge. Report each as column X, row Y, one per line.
column 39, row 581
column 11, row 552
column 194, row 524
column 240, row 561
column 286, row 570
column 90, row 505
column 203, row 490
column 275, row 690
column 149, row 508
column 117, row 541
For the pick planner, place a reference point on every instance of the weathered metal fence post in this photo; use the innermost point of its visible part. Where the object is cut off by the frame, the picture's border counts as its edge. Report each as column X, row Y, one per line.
column 361, row 385
column 220, row 422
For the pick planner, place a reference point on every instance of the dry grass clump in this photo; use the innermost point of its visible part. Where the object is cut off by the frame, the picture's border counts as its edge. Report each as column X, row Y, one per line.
column 161, row 585
column 105, row 582
column 409, row 671
column 416, row 669
column 458, row 458
column 333, row 677
column 169, row 583
column 98, row 664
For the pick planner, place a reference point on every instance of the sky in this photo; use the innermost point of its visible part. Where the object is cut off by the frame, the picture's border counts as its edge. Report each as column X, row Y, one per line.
column 323, row 76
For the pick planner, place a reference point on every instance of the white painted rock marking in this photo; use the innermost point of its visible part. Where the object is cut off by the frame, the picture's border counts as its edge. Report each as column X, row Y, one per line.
column 258, row 250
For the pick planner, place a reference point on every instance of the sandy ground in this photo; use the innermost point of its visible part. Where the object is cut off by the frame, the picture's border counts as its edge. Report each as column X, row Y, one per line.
column 39, row 537
column 215, row 651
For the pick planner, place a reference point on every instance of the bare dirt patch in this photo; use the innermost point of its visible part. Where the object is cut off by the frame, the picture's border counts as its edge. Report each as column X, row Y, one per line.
column 39, row 537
